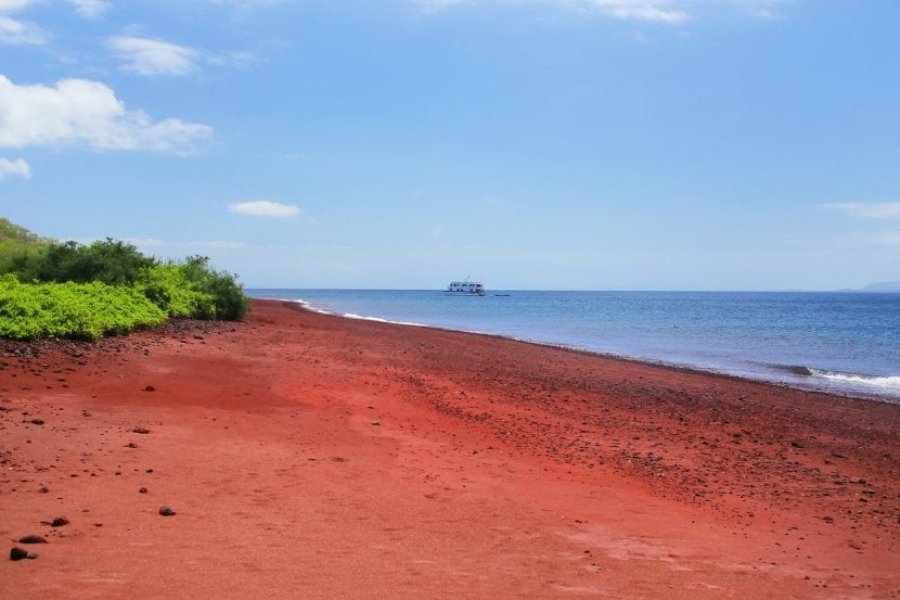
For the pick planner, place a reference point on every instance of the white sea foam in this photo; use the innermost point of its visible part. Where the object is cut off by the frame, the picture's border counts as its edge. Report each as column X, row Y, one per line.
column 380, row 320
column 890, row 382
column 310, row 307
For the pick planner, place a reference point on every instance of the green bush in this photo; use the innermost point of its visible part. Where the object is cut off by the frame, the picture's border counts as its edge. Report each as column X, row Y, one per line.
column 109, row 261
column 68, row 289
column 167, row 286
column 19, row 248
column 86, row 311
column 229, row 301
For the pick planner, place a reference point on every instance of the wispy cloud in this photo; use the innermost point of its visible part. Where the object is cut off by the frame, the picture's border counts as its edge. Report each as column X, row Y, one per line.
column 247, row 4
column 20, row 33
column 659, row 11
column 218, row 245
column 14, row 168
column 264, row 208
column 147, row 56
column 153, row 57
column 81, row 111
column 883, row 210
column 90, row 8
column 8, row 6
column 145, row 242
column 662, row 11
column 885, row 238
column 767, row 10
column 151, row 243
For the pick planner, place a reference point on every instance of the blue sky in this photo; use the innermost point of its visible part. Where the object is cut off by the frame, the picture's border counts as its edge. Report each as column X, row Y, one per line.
column 536, row 144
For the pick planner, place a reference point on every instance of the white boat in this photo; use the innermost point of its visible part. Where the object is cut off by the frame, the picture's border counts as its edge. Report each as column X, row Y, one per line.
column 467, row 287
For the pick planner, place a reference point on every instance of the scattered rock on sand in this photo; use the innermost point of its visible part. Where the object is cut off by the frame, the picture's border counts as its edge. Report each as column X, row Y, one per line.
column 143, row 490
column 376, row 423
column 18, row 553
column 166, row 511
column 33, row 539
column 143, row 430
column 59, row 522
column 149, row 388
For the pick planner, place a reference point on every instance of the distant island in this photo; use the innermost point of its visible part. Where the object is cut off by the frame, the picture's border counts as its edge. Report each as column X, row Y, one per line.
column 884, row 286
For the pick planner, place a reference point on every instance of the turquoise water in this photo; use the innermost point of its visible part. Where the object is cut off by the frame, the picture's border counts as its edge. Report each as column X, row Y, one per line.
column 841, row 342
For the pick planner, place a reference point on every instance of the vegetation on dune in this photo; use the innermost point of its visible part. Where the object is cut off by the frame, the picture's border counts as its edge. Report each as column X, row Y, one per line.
column 193, row 289
column 52, row 289
column 86, row 311
column 16, row 241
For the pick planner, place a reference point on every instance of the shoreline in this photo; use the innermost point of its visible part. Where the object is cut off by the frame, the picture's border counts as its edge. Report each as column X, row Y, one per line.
column 317, row 456
column 844, row 390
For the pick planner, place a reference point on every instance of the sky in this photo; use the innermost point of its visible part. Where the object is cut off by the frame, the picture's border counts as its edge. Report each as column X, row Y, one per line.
column 400, row 144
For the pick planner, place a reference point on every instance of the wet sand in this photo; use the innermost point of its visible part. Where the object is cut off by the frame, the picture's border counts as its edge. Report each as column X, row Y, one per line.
column 309, row 456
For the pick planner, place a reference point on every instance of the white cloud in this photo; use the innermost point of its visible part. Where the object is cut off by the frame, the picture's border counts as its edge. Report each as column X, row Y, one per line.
column 766, row 10
column 145, row 242
column 264, row 208
column 660, row 11
column 438, row 4
column 154, row 57
column 156, row 243
column 20, row 33
column 248, row 4
column 80, row 111
column 885, row 238
column 8, row 6
column 90, row 8
column 884, row 210
column 18, row 167
column 219, row 245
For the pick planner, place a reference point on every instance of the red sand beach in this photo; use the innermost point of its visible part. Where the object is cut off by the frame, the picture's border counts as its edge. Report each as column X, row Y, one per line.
column 309, row 456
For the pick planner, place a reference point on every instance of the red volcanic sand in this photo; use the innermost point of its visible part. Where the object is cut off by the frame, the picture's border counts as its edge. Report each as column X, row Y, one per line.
column 309, row 456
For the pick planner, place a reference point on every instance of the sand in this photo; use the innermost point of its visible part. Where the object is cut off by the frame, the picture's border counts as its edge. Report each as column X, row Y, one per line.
column 310, row 456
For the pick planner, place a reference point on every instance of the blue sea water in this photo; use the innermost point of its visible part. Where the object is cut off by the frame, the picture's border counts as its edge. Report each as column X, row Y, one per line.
column 847, row 343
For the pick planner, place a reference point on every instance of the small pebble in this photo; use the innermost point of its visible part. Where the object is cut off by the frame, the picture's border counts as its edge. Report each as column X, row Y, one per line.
column 17, row 553
column 32, row 539
column 59, row 522
column 166, row 511
column 140, row 430
column 143, row 490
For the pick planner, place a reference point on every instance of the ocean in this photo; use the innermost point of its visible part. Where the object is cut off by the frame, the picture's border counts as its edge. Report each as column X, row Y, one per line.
column 846, row 343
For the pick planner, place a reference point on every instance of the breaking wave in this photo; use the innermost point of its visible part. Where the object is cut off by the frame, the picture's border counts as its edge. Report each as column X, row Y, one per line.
column 884, row 382
column 890, row 382
column 380, row 320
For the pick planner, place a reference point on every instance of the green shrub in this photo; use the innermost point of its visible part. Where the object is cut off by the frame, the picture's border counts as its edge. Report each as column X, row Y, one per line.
column 86, row 311
column 229, row 301
column 87, row 291
column 167, row 286
column 109, row 261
